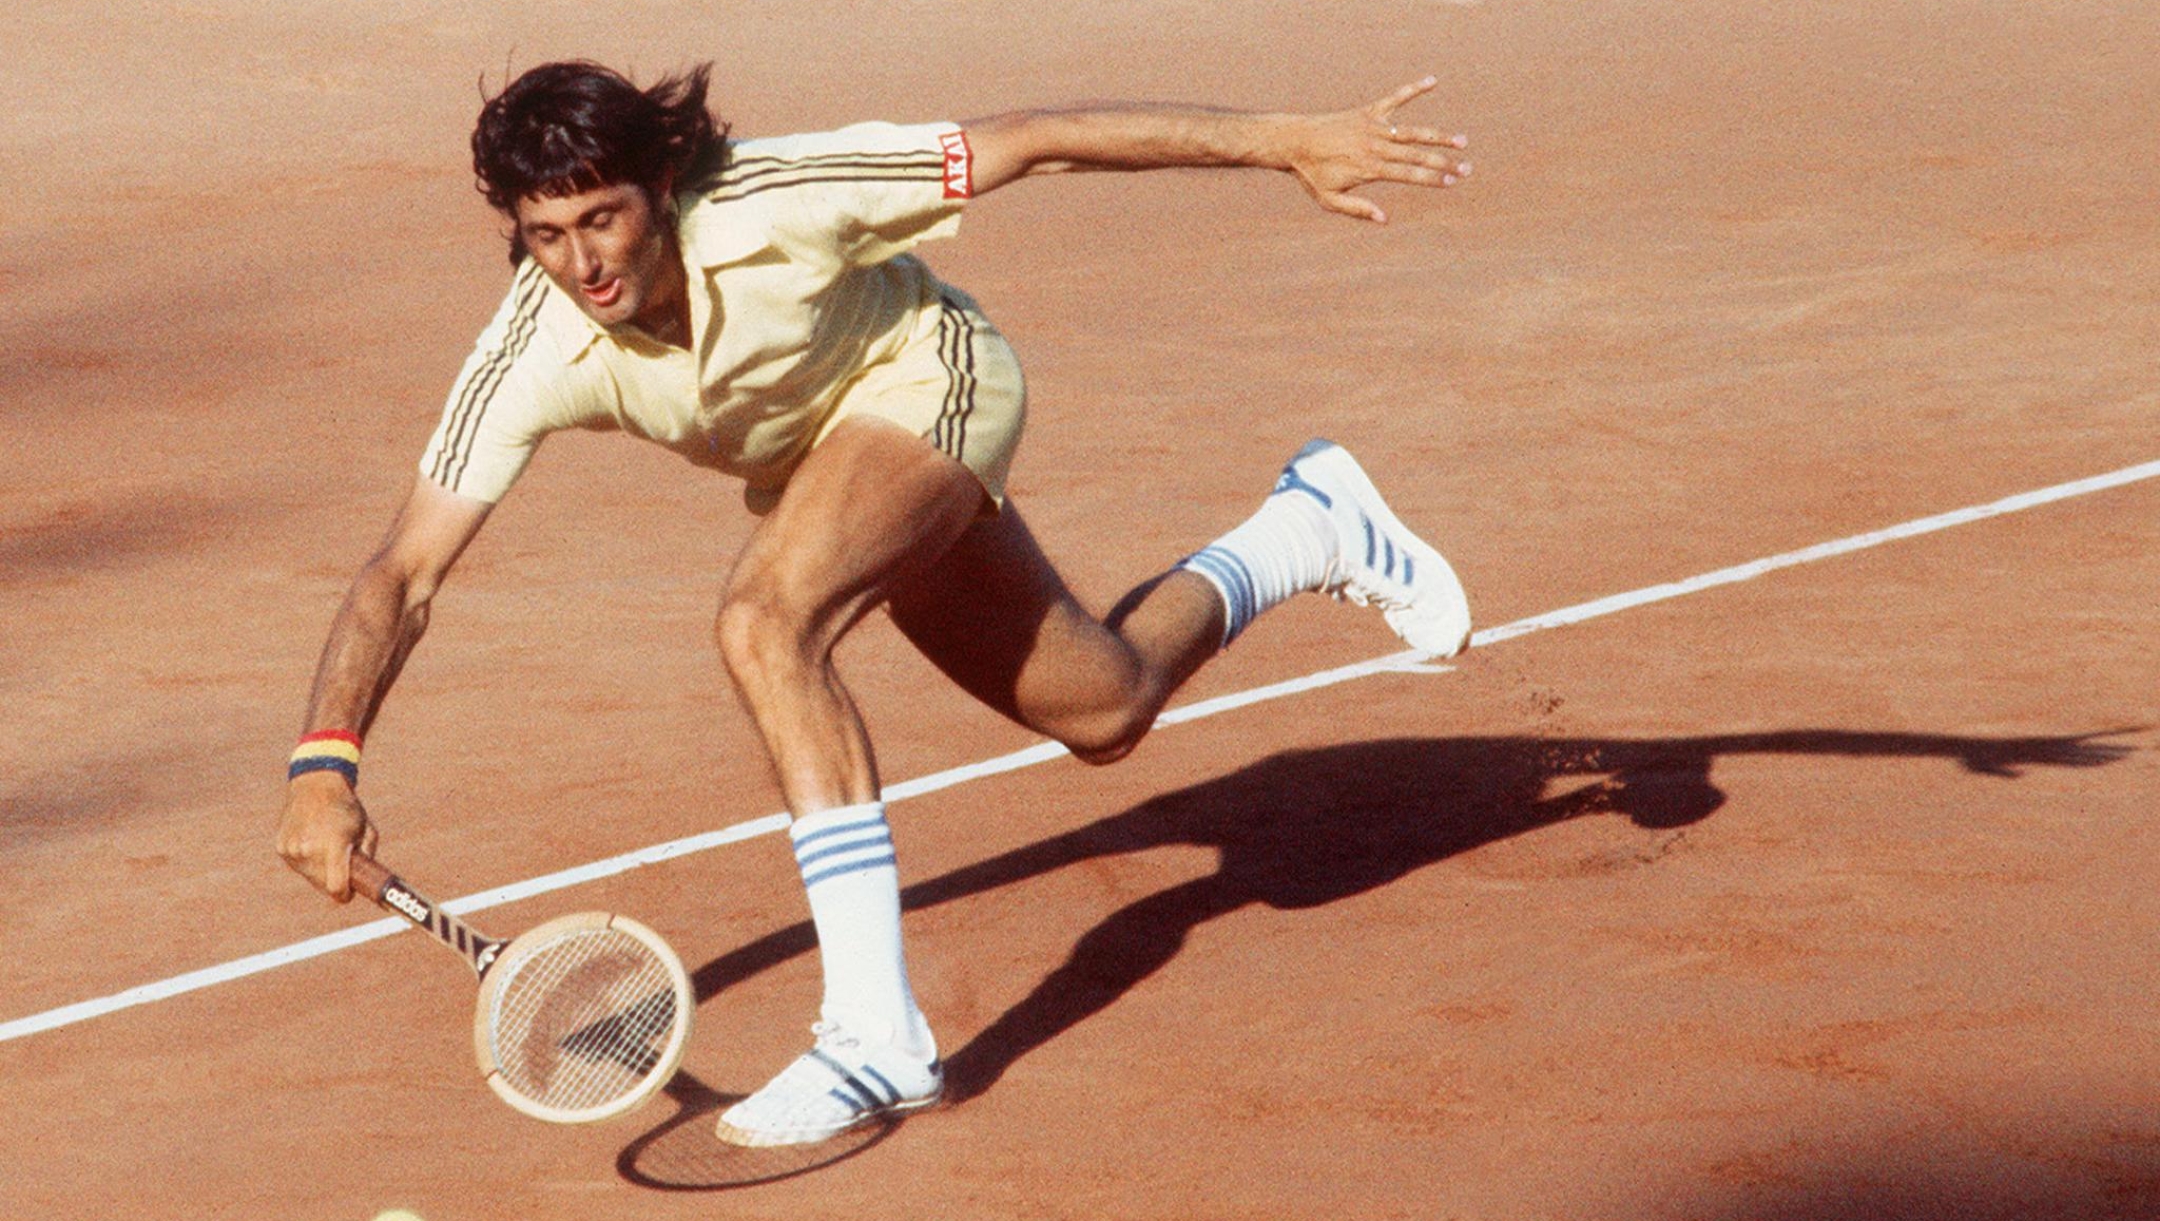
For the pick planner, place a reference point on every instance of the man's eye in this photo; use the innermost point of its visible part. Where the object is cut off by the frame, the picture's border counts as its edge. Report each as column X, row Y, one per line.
column 602, row 220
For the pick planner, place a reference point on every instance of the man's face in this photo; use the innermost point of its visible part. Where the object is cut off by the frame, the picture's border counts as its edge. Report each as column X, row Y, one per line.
column 610, row 250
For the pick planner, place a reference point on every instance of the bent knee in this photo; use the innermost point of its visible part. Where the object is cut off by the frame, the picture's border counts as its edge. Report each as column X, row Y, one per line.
column 1102, row 756
column 1104, row 739
column 761, row 637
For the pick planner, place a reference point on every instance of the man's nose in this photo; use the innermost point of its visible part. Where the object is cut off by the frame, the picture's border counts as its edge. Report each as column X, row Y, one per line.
column 584, row 258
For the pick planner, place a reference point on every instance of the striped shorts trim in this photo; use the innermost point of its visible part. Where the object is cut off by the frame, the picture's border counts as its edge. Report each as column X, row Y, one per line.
column 957, row 385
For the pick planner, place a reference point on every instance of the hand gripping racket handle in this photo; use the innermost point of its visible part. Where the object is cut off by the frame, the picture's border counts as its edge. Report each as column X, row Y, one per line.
column 390, row 892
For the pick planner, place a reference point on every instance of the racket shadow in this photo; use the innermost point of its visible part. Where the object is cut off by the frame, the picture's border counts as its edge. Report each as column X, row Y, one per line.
column 625, row 1039
column 683, row 1154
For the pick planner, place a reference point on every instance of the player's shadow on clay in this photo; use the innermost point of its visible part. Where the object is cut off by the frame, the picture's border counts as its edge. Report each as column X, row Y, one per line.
column 1310, row 827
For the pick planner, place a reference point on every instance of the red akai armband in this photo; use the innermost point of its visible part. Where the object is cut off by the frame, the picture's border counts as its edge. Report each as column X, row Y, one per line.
column 959, row 165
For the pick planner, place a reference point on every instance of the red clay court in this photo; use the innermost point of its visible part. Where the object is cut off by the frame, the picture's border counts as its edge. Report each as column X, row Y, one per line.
column 1820, row 890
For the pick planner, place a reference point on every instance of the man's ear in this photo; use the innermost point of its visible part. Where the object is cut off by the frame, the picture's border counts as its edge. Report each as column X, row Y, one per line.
column 512, row 233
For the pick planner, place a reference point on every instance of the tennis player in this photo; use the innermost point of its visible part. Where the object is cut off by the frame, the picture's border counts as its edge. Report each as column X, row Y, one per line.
column 754, row 306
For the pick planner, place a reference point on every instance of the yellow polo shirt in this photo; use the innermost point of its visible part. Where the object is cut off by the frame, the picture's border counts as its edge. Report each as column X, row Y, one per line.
column 799, row 282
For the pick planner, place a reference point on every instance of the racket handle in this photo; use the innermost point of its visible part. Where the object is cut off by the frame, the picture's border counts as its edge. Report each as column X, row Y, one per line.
column 369, row 878
column 394, row 894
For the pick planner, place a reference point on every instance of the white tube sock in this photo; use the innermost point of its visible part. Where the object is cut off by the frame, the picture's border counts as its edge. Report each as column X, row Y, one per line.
column 852, row 879
column 1282, row 550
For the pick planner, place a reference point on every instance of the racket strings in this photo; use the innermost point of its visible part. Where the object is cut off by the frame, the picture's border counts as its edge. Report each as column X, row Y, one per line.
column 583, row 1019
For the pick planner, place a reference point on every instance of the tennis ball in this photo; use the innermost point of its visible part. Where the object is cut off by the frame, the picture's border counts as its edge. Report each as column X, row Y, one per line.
column 398, row 1214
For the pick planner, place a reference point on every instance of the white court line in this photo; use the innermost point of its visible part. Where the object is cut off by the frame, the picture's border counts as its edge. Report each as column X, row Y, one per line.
column 1044, row 752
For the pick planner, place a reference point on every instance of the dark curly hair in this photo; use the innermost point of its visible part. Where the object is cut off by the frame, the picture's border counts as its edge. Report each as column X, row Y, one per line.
column 575, row 125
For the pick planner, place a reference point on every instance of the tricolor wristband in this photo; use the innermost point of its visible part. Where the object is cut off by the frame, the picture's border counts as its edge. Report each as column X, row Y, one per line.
column 332, row 750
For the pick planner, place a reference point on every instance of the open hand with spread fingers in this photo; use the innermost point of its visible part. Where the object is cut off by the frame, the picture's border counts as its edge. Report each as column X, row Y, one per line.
column 1334, row 155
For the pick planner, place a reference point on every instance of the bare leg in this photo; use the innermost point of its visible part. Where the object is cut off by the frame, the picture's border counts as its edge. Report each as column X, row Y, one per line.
column 875, row 514
column 993, row 615
column 869, row 507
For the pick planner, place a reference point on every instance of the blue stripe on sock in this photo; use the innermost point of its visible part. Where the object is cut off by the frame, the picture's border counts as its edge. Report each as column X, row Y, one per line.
column 888, row 860
column 1248, row 591
column 1230, row 573
column 1236, row 585
column 1241, row 599
column 873, row 843
column 800, row 837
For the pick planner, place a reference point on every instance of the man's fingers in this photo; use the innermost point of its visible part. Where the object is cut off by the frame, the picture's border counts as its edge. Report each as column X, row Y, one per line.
column 1404, row 96
column 1439, row 154
column 314, row 868
column 1430, row 137
column 1424, row 168
column 1346, row 158
column 1356, row 206
column 337, row 876
column 321, row 825
column 1426, row 175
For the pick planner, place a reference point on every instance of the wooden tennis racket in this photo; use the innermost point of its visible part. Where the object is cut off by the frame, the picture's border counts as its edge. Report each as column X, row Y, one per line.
column 581, row 1019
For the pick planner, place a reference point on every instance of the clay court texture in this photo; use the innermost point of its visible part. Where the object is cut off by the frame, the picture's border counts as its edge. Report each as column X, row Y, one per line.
column 1822, row 890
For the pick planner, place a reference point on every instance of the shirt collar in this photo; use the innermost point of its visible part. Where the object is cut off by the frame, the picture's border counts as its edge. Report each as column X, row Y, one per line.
column 714, row 235
column 574, row 333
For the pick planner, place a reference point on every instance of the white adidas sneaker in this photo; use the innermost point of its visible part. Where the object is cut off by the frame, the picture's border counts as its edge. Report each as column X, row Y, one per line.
column 1378, row 561
column 839, row 1084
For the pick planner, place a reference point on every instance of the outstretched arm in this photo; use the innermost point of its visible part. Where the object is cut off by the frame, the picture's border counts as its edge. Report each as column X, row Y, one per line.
column 1332, row 155
column 384, row 615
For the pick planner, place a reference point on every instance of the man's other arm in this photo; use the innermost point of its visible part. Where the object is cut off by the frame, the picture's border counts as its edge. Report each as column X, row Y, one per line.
column 1332, row 155
column 383, row 617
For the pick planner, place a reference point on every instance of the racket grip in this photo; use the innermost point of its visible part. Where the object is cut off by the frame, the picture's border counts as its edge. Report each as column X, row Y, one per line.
column 395, row 894
column 369, row 879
